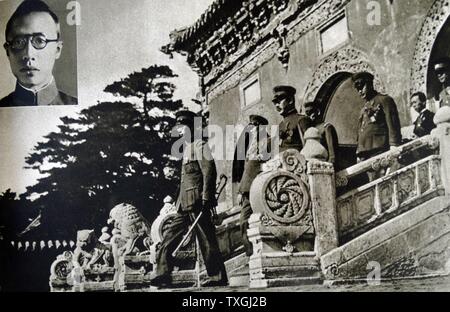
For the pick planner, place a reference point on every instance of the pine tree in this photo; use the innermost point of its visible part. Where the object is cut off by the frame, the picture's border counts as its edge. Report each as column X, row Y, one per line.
column 110, row 153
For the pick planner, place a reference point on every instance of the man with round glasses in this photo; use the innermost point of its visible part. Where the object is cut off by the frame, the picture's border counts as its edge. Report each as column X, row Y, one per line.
column 32, row 46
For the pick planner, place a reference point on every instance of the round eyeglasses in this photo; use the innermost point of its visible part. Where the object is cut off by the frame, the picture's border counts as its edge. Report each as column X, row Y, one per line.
column 359, row 85
column 39, row 42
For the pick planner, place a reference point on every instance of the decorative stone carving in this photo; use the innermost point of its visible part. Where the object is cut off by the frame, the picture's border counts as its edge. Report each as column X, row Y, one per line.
column 344, row 60
column 341, row 180
column 231, row 71
column 294, row 220
column 90, row 253
column 432, row 25
column 406, row 186
column 362, row 209
column 383, row 163
column 281, row 196
column 283, row 53
column 287, row 199
column 292, row 161
column 61, row 267
column 131, row 227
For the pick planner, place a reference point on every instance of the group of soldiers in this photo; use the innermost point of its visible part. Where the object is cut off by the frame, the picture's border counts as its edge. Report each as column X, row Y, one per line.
column 379, row 131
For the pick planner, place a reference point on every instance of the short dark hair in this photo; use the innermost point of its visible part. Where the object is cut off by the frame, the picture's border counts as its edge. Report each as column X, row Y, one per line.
column 367, row 77
column 422, row 97
column 27, row 7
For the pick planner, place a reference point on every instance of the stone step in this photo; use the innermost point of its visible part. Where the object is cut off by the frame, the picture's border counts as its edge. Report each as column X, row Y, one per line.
column 286, row 282
column 238, row 270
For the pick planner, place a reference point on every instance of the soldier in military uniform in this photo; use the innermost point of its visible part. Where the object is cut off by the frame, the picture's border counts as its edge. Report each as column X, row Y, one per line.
column 294, row 125
column 329, row 137
column 197, row 193
column 252, row 167
column 442, row 70
column 424, row 122
column 379, row 123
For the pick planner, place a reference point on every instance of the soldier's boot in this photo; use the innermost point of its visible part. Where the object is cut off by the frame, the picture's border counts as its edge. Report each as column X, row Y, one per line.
column 215, row 280
column 161, row 281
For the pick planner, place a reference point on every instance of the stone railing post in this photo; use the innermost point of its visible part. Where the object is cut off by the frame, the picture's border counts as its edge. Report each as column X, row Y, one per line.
column 323, row 198
column 442, row 133
column 282, row 227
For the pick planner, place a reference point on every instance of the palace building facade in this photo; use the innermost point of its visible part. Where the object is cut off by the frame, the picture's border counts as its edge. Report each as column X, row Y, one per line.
column 242, row 49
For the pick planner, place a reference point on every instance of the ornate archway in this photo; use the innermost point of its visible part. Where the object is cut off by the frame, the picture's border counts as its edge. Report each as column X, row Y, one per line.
column 332, row 89
column 432, row 26
column 347, row 60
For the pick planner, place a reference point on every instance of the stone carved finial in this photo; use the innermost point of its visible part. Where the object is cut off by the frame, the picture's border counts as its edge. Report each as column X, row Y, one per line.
column 442, row 115
column 313, row 149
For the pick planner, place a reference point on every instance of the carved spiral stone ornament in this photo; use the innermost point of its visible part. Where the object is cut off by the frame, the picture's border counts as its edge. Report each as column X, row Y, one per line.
column 281, row 196
column 291, row 160
column 62, row 266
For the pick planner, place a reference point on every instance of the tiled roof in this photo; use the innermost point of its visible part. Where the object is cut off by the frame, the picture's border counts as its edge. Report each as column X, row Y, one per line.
column 215, row 13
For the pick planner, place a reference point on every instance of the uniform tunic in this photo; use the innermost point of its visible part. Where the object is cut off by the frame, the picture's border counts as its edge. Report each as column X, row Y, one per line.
column 198, row 181
column 379, row 127
column 49, row 95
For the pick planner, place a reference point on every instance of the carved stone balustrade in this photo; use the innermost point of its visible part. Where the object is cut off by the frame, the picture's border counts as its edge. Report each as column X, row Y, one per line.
column 373, row 204
column 401, row 221
column 401, row 157
column 294, row 220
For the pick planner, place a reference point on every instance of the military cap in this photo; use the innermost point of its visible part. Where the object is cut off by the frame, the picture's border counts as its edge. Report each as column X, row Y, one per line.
column 285, row 89
column 185, row 117
column 259, row 120
column 363, row 76
column 442, row 64
column 168, row 200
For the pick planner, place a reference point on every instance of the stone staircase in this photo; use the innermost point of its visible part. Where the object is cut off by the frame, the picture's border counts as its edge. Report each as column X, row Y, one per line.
column 311, row 225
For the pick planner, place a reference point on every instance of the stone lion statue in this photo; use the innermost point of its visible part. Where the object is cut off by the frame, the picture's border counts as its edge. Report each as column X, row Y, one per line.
column 90, row 252
column 131, row 234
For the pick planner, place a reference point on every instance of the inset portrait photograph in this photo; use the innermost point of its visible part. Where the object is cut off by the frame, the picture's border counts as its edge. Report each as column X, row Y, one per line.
column 39, row 59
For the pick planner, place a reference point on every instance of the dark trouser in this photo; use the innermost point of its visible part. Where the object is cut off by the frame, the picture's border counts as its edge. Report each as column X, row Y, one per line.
column 246, row 212
column 206, row 234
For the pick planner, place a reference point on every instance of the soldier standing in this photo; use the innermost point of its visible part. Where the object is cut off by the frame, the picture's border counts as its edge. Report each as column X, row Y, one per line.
column 197, row 193
column 379, row 123
column 294, row 125
column 252, row 167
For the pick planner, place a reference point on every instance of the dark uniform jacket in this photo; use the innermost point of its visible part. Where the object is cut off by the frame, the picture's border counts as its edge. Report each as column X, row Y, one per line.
column 253, row 164
column 50, row 95
column 292, row 130
column 379, row 126
column 198, row 176
column 424, row 123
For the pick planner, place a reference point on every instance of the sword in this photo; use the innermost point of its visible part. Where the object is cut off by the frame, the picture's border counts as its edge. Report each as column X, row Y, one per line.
column 219, row 188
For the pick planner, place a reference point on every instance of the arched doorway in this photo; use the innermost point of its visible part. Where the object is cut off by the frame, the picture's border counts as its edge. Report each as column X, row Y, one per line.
column 431, row 44
column 332, row 89
column 341, row 105
column 440, row 49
